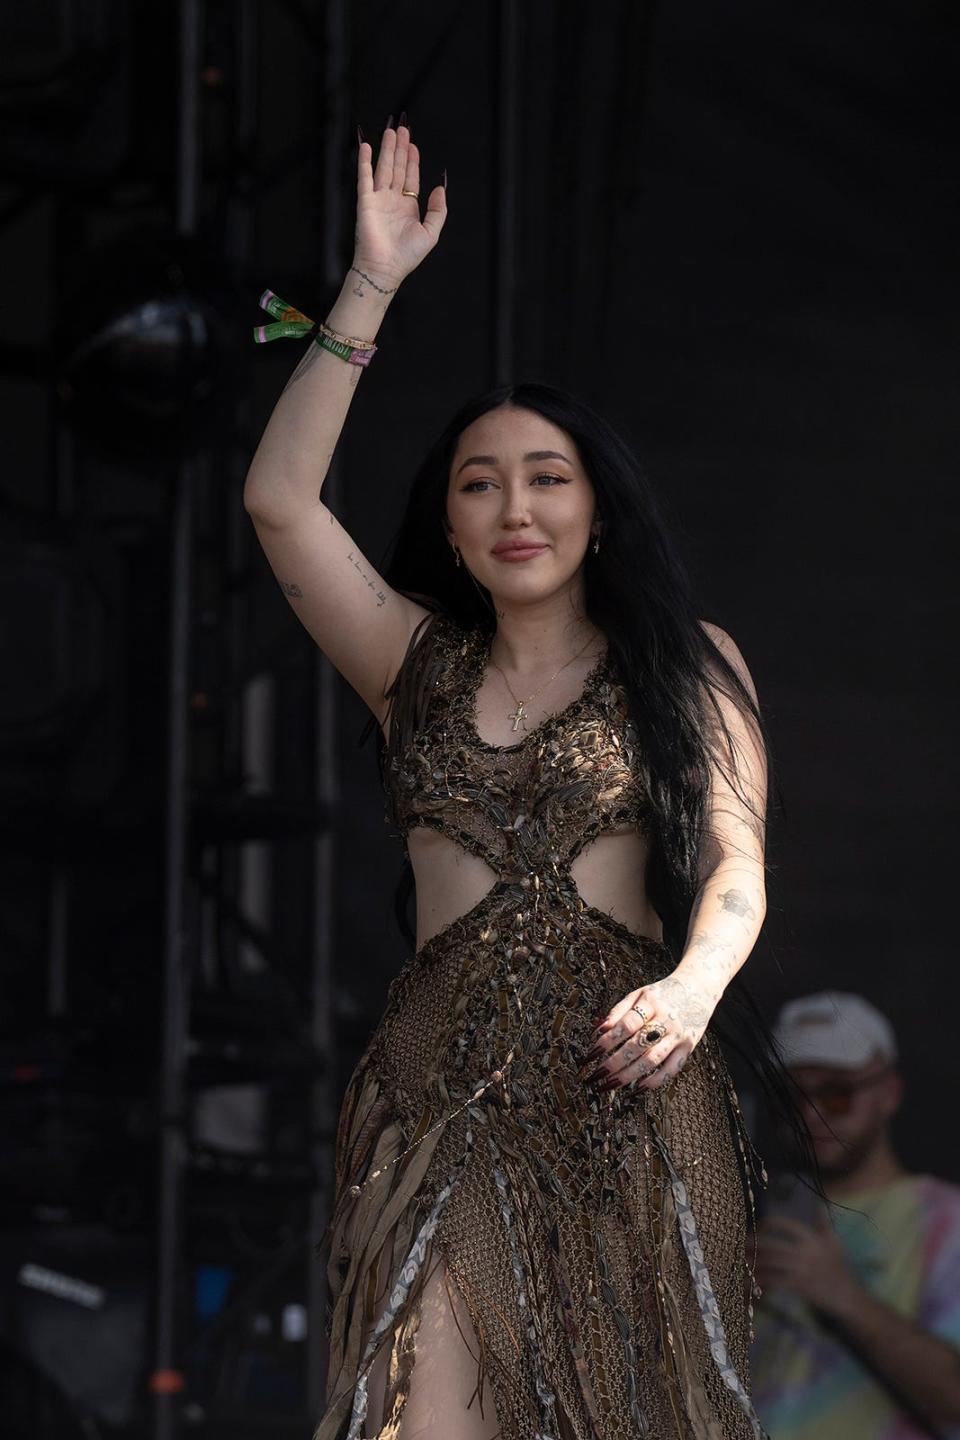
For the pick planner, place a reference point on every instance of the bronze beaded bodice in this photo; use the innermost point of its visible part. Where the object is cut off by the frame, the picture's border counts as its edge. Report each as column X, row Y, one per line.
column 526, row 809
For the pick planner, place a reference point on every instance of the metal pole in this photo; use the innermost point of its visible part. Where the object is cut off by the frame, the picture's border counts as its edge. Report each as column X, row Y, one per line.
column 506, row 189
column 323, row 1096
column 166, row 1381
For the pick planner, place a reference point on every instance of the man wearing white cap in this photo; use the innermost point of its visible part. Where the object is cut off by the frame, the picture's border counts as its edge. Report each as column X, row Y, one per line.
column 858, row 1330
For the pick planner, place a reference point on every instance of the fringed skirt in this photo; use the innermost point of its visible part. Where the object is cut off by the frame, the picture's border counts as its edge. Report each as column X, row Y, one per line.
column 560, row 1265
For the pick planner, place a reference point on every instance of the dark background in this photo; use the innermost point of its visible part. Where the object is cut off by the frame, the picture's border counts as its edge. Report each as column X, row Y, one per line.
column 734, row 231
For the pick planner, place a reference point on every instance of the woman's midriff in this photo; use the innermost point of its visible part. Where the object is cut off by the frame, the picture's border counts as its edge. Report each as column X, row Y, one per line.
column 608, row 873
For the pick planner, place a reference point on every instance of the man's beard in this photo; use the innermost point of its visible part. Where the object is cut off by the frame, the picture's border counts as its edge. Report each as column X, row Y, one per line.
column 848, row 1155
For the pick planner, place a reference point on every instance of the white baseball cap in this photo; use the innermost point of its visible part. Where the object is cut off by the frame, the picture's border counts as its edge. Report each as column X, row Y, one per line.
column 834, row 1028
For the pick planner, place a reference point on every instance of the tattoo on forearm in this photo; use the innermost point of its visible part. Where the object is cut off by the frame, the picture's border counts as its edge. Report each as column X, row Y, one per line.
column 708, row 945
column 310, row 358
column 736, row 902
column 291, row 590
column 381, row 598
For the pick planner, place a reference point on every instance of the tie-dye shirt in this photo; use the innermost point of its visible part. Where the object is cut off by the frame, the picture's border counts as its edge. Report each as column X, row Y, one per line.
column 904, row 1247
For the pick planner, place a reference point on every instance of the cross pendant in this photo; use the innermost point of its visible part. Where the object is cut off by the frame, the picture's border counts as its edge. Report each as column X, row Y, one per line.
column 518, row 716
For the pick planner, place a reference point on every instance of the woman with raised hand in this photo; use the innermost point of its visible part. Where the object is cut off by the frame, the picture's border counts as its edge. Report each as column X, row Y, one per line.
column 542, row 1176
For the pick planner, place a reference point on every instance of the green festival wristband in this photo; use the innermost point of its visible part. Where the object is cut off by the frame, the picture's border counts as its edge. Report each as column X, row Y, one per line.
column 291, row 323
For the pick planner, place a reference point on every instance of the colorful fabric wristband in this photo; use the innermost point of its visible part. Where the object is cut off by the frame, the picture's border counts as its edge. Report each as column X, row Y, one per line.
column 291, row 323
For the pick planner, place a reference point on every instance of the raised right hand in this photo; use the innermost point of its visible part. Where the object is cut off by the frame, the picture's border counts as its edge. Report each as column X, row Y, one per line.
column 391, row 239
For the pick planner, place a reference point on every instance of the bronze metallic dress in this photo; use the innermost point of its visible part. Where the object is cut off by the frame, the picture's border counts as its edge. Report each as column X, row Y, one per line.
column 597, row 1241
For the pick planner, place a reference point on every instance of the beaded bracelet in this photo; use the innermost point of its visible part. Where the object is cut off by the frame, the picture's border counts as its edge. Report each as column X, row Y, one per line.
column 292, row 323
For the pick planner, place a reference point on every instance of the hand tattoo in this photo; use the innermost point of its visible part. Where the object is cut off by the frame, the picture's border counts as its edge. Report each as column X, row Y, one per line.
column 691, row 1011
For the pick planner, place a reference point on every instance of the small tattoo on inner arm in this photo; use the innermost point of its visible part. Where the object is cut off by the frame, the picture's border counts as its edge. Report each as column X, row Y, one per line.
column 381, row 598
column 737, row 903
column 291, row 590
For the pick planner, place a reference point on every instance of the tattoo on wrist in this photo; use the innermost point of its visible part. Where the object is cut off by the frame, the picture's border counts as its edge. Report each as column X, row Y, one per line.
column 291, row 590
column 359, row 291
column 736, row 902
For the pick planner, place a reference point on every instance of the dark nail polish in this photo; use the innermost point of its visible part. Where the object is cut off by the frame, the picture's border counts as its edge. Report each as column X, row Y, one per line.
column 360, row 136
column 403, row 119
column 444, row 178
column 611, row 1084
column 593, row 1054
column 389, row 121
column 596, row 1077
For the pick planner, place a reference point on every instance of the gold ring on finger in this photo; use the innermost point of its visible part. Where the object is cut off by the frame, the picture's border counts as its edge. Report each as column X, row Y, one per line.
column 641, row 1012
column 414, row 193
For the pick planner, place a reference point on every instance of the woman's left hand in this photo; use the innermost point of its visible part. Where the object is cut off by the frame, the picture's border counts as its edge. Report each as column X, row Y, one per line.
column 649, row 1047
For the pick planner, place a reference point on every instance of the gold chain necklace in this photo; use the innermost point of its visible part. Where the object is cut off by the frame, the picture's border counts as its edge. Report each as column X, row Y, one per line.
column 517, row 716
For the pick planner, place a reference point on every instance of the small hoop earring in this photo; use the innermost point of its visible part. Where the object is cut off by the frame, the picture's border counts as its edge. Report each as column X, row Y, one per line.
column 596, row 543
column 456, row 556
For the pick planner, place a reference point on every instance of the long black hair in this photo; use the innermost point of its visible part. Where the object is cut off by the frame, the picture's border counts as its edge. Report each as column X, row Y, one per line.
column 637, row 592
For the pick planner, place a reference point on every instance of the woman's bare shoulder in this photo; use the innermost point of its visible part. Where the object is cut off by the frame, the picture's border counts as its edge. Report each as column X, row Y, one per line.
column 731, row 652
